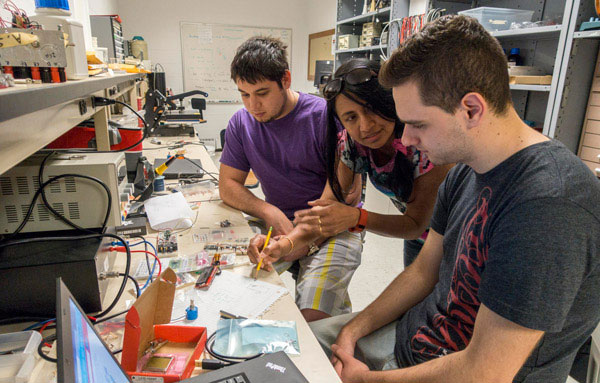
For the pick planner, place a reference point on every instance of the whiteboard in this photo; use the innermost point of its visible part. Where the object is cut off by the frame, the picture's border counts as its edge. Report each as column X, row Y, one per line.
column 207, row 51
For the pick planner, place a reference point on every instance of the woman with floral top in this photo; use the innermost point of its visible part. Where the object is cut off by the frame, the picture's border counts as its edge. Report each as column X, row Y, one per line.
column 368, row 143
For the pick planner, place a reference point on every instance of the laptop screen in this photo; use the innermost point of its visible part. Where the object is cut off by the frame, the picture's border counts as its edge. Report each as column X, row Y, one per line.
column 82, row 355
column 92, row 361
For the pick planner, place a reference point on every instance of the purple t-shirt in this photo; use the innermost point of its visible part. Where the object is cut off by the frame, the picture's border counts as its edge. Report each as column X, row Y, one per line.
column 287, row 155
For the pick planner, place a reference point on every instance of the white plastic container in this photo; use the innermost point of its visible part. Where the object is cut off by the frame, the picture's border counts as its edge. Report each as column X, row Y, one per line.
column 139, row 49
column 51, row 19
column 18, row 366
column 498, row 19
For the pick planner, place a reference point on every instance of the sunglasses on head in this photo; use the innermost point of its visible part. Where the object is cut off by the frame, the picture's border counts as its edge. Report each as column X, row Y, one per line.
column 354, row 77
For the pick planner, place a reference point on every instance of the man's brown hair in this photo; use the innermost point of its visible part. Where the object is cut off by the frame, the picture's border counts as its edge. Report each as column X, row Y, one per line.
column 450, row 57
column 260, row 58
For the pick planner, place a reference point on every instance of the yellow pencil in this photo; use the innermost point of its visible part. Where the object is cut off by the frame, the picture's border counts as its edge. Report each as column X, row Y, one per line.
column 263, row 249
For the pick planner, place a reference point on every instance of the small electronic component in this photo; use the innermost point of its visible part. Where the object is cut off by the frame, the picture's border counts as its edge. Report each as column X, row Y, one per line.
column 158, row 363
column 207, row 274
column 191, row 313
column 167, row 242
column 155, row 345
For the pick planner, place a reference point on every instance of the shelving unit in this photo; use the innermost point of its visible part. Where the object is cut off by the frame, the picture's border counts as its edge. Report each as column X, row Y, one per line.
column 576, row 75
column 32, row 116
column 350, row 20
column 557, row 49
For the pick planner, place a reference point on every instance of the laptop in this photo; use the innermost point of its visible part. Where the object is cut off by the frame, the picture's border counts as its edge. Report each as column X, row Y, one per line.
column 269, row 368
column 181, row 168
column 83, row 357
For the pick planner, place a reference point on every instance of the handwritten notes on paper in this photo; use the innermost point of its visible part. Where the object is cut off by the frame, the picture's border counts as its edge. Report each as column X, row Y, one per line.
column 231, row 292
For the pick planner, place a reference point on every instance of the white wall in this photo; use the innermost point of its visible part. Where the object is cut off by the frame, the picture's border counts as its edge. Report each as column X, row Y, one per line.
column 321, row 17
column 103, row 7
column 158, row 22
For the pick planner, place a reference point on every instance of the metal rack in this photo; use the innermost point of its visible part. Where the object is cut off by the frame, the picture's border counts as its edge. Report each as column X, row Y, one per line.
column 350, row 20
column 32, row 116
column 568, row 55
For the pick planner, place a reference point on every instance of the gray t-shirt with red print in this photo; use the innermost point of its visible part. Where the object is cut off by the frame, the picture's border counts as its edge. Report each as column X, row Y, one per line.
column 523, row 239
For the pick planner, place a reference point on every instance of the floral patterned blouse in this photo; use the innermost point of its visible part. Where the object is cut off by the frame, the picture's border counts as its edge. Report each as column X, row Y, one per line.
column 380, row 175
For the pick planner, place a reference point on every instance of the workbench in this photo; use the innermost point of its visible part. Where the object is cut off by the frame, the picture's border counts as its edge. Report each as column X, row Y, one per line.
column 312, row 361
column 33, row 115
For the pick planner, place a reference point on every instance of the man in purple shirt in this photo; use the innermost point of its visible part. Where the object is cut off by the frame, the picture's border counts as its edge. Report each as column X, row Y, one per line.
column 280, row 135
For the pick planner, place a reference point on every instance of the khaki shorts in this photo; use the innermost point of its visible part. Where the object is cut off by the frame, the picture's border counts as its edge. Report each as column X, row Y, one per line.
column 324, row 277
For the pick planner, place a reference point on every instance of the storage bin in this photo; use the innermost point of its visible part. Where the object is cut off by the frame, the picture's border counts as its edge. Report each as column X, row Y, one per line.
column 17, row 366
column 498, row 19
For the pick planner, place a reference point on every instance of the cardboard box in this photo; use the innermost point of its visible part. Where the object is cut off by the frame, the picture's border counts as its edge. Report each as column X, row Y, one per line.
column 347, row 42
column 371, row 29
column 531, row 80
column 147, row 320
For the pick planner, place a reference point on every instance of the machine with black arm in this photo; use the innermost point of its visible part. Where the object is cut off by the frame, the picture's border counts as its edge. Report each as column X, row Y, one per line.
column 175, row 121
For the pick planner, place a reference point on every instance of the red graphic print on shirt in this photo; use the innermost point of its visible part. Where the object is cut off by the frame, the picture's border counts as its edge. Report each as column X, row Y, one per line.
column 453, row 330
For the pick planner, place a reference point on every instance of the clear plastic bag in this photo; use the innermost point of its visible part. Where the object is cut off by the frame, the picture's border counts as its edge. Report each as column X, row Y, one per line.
column 248, row 337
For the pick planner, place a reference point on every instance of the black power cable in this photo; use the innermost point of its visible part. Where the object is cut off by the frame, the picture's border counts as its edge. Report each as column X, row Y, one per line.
column 62, row 217
column 201, row 168
column 8, row 321
column 132, row 279
column 210, row 342
column 58, row 215
column 51, row 338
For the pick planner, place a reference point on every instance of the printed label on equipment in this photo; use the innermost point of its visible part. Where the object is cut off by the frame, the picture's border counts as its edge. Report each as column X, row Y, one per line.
column 147, row 379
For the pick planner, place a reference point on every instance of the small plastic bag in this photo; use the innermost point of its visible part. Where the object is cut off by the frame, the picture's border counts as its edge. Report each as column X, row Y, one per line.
column 248, row 337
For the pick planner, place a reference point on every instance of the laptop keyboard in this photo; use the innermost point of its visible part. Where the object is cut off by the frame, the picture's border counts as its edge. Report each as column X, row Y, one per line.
column 240, row 378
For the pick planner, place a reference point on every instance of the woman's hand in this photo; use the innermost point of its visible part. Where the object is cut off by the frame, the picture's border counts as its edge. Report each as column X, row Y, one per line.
column 326, row 218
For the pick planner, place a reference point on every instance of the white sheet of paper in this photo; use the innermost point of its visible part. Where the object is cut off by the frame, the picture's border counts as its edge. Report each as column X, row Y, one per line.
column 169, row 212
column 235, row 293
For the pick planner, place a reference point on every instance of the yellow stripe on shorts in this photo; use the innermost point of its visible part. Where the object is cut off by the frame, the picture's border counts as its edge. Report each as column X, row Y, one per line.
column 323, row 277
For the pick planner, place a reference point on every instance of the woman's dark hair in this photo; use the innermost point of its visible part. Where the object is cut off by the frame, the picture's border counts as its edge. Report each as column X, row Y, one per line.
column 373, row 96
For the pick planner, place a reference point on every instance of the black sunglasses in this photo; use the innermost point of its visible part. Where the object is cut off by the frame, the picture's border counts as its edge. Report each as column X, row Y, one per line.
column 354, row 77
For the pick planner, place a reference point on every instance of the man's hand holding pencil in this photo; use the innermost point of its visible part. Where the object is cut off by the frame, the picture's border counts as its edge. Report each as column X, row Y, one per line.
column 263, row 252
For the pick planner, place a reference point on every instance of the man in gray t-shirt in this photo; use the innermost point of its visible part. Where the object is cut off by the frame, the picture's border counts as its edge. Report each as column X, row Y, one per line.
column 507, row 285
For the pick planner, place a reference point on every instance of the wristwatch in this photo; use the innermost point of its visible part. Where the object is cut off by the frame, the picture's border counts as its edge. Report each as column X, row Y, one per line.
column 362, row 222
column 312, row 249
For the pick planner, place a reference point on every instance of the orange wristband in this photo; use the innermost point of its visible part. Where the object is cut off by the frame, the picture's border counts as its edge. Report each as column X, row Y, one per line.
column 362, row 222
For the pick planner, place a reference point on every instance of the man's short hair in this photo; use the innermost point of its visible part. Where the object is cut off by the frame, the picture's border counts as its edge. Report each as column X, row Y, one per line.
column 260, row 58
column 450, row 57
